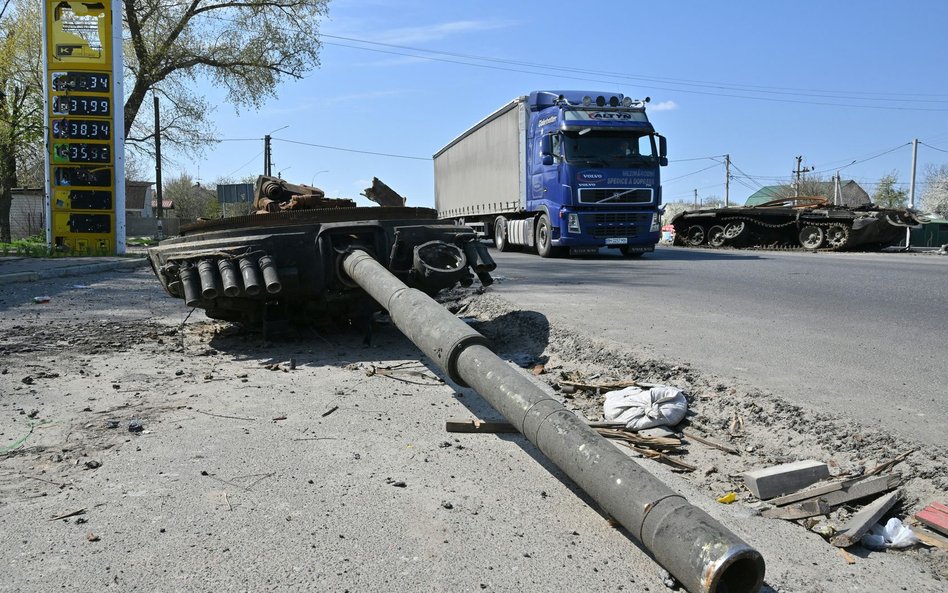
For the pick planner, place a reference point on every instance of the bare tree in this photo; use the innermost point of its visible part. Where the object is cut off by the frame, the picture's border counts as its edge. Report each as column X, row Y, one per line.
column 935, row 196
column 21, row 97
column 244, row 46
column 190, row 200
column 887, row 195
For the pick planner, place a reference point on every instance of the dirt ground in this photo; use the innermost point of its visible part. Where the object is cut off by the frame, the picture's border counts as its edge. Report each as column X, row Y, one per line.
column 145, row 449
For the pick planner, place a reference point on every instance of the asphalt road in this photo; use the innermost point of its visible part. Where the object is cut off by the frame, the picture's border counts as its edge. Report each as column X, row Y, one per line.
column 859, row 335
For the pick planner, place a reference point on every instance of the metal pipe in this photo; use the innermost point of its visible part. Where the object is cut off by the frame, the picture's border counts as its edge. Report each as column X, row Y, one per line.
column 229, row 277
column 251, row 276
column 189, row 282
column 700, row 552
column 210, row 286
column 270, row 277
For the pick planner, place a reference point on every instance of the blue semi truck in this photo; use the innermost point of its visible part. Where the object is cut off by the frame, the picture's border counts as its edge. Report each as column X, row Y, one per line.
column 559, row 172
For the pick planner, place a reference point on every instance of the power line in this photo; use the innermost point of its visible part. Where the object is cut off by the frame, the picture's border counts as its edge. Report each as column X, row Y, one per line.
column 682, row 82
column 256, row 156
column 690, row 174
column 397, row 156
column 933, row 147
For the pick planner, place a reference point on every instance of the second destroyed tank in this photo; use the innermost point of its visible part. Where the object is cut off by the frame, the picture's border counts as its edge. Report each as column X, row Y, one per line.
column 807, row 223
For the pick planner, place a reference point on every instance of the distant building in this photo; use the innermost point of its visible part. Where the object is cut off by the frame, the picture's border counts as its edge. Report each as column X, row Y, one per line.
column 851, row 194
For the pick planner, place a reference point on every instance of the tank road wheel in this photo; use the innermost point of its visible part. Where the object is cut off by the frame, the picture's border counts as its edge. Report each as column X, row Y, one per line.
column 811, row 237
column 716, row 236
column 837, row 236
column 544, row 238
column 733, row 230
column 695, row 235
column 500, row 234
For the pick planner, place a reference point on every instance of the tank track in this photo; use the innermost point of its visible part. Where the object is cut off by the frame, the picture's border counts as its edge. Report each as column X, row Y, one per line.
column 839, row 242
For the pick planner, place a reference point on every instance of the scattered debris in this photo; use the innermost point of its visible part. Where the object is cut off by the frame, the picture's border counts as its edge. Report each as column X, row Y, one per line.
column 400, row 374
column 706, row 441
column 329, row 411
column 891, row 535
column 93, row 464
column 801, row 510
column 850, row 559
column 861, row 522
column 136, row 425
column 638, row 408
column 809, row 493
column 41, row 299
column 934, row 516
column 728, row 498
column 69, row 514
column 460, row 425
column 888, row 464
column 92, row 537
column 783, row 479
column 278, row 418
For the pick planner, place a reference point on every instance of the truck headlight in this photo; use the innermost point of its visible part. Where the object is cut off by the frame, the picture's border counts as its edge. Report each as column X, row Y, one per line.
column 655, row 226
column 572, row 222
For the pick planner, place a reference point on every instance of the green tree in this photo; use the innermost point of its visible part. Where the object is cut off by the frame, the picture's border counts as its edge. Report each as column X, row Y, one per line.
column 935, row 196
column 189, row 200
column 21, row 97
column 887, row 195
column 244, row 46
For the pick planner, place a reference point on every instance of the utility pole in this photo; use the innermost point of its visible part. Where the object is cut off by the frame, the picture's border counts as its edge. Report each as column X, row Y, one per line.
column 798, row 172
column 696, row 199
column 158, row 198
column 727, row 181
column 266, row 155
column 836, row 195
column 908, row 232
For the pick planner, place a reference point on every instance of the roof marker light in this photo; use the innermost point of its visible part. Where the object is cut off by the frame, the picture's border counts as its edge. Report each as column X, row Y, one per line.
column 627, row 102
column 613, row 101
column 587, row 101
column 600, row 101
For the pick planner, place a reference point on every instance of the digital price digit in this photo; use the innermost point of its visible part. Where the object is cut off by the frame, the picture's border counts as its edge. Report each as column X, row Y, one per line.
column 83, row 176
column 81, row 152
column 81, row 105
column 94, row 82
column 82, row 129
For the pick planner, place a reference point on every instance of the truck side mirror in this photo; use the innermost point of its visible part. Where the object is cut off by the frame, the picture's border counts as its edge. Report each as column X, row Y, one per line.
column 546, row 159
column 662, row 151
column 546, row 145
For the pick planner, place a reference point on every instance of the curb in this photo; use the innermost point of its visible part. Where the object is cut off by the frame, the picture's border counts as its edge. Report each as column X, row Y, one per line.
column 75, row 270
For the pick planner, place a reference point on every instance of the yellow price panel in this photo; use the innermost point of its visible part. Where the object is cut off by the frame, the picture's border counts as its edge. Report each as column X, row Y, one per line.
column 78, row 35
column 84, row 233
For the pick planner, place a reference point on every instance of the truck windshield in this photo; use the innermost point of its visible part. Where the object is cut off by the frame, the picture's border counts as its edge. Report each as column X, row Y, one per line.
column 599, row 149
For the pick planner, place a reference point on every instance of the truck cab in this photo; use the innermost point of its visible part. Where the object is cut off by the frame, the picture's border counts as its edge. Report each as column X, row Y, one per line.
column 593, row 168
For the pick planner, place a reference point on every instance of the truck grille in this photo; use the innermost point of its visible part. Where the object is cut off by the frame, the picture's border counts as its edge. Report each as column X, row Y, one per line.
column 635, row 196
column 620, row 218
column 604, row 232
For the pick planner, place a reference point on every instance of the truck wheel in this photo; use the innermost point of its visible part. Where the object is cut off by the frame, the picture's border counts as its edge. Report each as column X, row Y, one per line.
column 500, row 234
column 544, row 238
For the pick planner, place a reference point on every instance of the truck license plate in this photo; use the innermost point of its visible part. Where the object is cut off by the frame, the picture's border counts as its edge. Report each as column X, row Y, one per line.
column 617, row 241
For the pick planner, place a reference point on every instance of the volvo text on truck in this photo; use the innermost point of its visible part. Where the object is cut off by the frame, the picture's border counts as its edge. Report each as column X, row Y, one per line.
column 557, row 171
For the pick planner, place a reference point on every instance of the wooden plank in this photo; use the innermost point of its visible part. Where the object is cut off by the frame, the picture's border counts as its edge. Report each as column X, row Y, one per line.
column 861, row 489
column 930, row 538
column 935, row 517
column 862, row 521
column 782, row 479
column 809, row 508
column 811, row 493
column 460, row 425
column 706, row 441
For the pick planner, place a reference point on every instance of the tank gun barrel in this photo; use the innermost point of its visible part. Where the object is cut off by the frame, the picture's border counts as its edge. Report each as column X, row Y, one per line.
column 696, row 549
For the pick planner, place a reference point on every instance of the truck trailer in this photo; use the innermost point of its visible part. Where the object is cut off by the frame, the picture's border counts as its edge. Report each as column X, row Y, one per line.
column 557, row 171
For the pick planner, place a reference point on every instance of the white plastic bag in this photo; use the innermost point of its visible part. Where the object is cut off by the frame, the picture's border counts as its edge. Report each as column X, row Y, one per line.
column 891, row 535
column 644, row 408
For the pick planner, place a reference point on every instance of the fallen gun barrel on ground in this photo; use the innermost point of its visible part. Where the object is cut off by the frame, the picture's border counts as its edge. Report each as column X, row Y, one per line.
column 697, row 550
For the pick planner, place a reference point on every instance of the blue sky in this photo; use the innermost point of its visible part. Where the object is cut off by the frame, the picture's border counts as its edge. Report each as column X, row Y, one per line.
column 835, row 82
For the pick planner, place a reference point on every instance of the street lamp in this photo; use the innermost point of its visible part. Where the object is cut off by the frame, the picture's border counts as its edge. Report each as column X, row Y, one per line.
column 315, row 174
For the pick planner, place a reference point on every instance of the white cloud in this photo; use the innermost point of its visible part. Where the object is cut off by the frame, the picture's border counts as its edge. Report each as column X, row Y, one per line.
column 663, row 106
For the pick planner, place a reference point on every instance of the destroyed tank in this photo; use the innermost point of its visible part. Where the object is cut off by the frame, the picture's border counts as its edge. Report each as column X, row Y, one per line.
column 283, row 263
column 803, row 223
